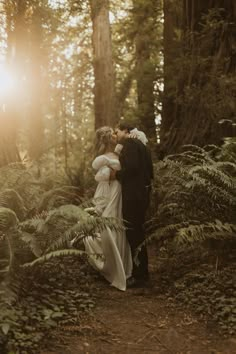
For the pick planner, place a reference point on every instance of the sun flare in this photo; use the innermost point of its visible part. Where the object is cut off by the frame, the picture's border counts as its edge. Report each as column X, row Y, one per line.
column 7, row 82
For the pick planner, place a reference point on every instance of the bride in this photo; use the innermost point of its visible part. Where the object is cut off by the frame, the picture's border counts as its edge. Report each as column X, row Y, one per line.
column 116, row 262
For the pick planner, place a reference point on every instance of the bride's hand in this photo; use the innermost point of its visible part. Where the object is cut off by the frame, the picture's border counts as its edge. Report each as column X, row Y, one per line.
column 112, row 175
column 138, row 134
column 118, row 149
column 133, row 135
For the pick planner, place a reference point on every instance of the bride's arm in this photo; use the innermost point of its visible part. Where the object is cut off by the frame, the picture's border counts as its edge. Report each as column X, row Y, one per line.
column 100, row 161
column 103, row 174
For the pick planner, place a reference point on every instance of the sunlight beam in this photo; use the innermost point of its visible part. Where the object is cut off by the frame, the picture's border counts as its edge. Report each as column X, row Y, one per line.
column 7, row 82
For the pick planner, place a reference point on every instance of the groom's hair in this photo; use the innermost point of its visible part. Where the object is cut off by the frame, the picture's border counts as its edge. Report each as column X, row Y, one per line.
column 125, row 126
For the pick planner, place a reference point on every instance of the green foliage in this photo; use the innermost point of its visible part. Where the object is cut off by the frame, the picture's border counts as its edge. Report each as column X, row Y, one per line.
column 200, row 283
column 196, row 197
column 60, row 196
column 58, row 292
column 50, row 255
column 228, row 153
column 210, row 294
column 13, row 200
column 8, row 219
column 35, row 244
column 20, row 190
column 53, row 225
column 55, row 229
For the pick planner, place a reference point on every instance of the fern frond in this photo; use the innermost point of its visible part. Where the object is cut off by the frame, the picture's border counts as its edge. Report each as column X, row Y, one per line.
column 60, row 196
column 10, row 174
column 59, row 253
column 211, row 148
column 190, row 158
column 215, row 175
column 8, row 219
column 228, row 151
column 9, row 198
column 227, row 167
column 193, row 148
column 161, row 234
column 87, row 204
column 34, row 225
column 86, row 227
column 33, row 243
column 197, row 187
column 165, row 233
column 55, row 229
column 20, row 179
column 177, row 168
column 194, row 158
column 62, row 253
column 199, row 233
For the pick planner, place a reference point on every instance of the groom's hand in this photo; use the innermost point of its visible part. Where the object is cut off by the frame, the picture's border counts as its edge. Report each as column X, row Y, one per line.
column 112, row 175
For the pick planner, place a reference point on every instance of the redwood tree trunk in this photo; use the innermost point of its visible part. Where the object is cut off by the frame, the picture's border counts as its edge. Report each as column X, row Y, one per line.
column 144, row 16
column 11, row 107
column 191, row 121
column 104, row 90
column 170, row 51
column 36, row 133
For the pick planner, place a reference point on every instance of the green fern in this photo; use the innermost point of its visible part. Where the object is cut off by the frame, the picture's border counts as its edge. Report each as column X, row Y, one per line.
column 59, row 196
column 193, row 189
column 54, row 254
column 11, row 199
column 8, row 219
column 198, row 233
column 55, row 229
column 20, row 179
column 215, row 175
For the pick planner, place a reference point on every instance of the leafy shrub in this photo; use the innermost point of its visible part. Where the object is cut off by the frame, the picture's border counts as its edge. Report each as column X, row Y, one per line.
column 36, row 227
column 195, row 195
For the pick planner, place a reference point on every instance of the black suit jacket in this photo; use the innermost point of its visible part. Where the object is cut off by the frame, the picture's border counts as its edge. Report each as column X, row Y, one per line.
column 136, row 170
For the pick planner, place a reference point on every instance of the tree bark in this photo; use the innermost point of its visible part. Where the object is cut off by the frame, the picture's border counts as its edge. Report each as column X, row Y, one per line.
column 143, row 14
column 104, row 90
column 36, row 129
column 15, row 58
column 170, row 51
column 204, row 54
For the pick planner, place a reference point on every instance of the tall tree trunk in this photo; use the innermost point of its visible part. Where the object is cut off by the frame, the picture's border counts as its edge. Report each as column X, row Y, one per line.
column 36, row 131
column 10, row 108
column 170, row 50
column 191, row 120
column 143, row 14
column 104, row 91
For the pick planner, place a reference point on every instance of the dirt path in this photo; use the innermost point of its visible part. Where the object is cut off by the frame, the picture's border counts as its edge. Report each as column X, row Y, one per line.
column 138, row 321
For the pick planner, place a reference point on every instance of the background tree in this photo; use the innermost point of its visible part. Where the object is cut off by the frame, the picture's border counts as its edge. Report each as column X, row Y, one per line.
column 145, row 15
column 15, row 30
column 104, row 91
column 203, row 68
column 36, row 80
column 136, row 30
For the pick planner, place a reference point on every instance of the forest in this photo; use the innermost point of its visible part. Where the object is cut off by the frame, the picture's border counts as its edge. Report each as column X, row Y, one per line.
column 67, row 68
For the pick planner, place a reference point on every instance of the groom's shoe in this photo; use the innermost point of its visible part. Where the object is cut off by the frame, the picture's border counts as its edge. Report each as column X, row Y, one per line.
column 133, row 282
column 130, row 283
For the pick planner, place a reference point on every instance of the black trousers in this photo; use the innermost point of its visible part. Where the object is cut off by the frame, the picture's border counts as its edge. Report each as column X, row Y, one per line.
column 134, row 216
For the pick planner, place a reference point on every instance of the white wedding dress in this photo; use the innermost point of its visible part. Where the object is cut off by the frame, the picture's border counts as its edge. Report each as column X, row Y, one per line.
column 116, row 261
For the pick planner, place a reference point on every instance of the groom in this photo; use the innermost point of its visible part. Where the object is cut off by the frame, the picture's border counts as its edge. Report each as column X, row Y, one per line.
column 135, row 177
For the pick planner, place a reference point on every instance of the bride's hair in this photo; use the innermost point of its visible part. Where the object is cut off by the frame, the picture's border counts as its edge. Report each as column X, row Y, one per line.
column 103, row 139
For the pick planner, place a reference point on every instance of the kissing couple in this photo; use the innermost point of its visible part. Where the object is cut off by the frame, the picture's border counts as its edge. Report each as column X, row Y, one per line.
column 124, row 171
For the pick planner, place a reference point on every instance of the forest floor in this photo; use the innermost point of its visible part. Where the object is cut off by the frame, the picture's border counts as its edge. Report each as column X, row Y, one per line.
column 145, row 320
